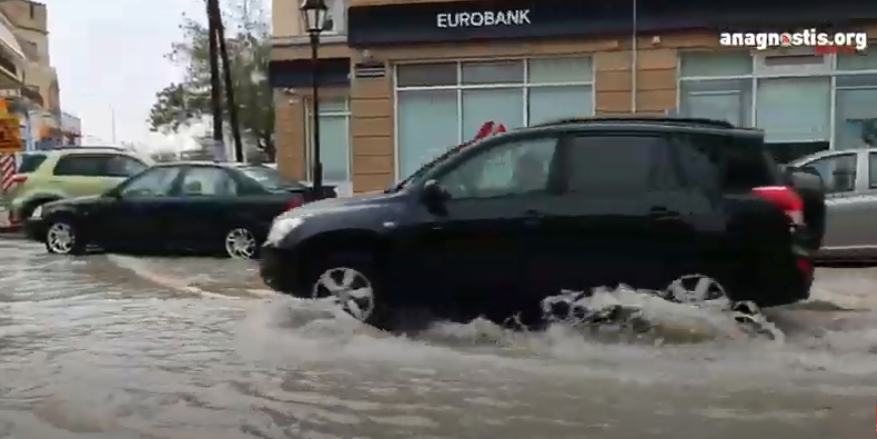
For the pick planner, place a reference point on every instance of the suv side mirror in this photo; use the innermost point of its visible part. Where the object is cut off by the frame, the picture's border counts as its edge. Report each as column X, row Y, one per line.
column 432, row 195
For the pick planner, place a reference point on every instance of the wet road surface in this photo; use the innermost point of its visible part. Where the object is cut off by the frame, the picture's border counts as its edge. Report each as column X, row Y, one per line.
column 115, row 347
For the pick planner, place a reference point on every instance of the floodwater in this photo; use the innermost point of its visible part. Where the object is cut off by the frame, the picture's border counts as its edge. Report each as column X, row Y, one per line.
column 116, row 347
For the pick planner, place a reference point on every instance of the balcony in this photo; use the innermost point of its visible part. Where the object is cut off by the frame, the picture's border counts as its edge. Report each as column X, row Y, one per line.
column 12, row 58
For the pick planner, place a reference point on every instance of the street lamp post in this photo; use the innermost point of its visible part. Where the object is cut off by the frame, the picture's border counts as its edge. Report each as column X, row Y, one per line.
column 314, row 15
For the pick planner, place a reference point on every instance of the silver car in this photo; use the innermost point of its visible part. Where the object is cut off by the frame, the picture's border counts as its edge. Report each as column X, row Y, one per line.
column 850, row 178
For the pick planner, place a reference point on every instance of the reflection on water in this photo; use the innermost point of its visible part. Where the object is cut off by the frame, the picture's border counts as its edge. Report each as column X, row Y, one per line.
column 92, row 350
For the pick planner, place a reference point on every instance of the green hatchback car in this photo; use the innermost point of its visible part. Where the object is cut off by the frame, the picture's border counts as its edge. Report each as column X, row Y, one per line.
column 63, row 173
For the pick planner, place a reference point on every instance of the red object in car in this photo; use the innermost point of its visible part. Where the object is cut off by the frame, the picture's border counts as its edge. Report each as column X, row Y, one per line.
column 295, row 202
column 19, row 178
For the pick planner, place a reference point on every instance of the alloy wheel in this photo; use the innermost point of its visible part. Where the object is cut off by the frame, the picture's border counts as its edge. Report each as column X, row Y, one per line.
column 240, row 243
column 60, row 238
column 694, row 288
column 349, row 288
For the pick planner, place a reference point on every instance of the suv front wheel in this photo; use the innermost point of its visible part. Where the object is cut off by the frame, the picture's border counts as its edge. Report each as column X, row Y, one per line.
column 351, row 280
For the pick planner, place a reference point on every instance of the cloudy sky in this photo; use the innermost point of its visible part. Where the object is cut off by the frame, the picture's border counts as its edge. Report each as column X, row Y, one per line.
column 110, row 59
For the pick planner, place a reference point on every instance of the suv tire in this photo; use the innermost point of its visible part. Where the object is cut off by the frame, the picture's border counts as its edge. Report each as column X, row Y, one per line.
column 352, row 279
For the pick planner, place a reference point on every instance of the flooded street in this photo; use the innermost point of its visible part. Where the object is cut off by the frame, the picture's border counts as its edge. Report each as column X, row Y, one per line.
column 115, row 347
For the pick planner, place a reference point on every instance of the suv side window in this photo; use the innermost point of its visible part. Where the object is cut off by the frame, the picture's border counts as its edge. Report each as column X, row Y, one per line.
column 514, row 168
column 604, row 166
column 80, row 165
column 838, row 172
column 204, row 181
column 724, row 164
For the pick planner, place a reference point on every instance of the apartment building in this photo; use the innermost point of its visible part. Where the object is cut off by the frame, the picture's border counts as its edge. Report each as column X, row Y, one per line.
column 402, row 80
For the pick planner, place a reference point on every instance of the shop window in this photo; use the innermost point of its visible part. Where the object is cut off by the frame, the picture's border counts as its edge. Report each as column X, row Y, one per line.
column 500, row 104
column 712, row 64
column 794, row 109
column 493, row 72
column 855, row 111
column 721, row 99
column 426, row 75
column 857, row 61
column 559, row 71
column 428, row 125
column 510, row 93
column 334, row 141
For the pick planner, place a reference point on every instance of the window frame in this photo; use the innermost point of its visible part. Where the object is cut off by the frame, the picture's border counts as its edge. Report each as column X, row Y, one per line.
column 829, row 68
column 224, row 171
column 524, row 86
column 120, row 190
column 309, row 138
column 834, row 155
column 455, row 161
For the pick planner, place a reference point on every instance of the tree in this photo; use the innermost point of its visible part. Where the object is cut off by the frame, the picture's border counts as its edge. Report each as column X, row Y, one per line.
column 249, row 43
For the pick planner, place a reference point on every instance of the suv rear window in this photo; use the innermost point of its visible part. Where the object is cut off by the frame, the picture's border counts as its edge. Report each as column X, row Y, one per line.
column 733, row 164
column 30, row 163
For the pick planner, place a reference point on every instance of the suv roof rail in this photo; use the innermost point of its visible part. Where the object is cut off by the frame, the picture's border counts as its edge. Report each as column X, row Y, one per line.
column 714, row 123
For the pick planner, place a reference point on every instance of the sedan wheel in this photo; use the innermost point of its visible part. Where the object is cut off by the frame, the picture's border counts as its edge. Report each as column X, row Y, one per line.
column 61, row 239
column 349, row 288
column 241, row 244
column 694, row 288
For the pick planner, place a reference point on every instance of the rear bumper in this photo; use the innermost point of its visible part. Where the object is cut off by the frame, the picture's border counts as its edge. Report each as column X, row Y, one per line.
column 279, row 270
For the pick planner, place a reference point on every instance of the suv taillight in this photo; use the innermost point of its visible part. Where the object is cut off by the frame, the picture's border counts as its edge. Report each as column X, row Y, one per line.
column 786, row 199
column 296, row 202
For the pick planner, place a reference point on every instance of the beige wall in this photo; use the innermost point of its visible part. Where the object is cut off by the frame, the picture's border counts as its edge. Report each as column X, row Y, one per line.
column 285, row 19
column 31, row 22
column 26, row 14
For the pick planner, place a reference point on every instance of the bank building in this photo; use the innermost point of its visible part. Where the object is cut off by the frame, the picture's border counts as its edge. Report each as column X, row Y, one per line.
column 402, row 80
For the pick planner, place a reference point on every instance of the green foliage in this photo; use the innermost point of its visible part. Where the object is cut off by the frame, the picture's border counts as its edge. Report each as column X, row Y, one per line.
column 248, row 42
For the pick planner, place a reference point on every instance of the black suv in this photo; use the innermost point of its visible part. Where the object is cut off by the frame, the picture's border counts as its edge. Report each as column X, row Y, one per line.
column 694, row 209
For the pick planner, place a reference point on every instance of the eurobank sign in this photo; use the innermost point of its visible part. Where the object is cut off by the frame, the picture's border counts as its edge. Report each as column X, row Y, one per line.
column 451, row 21
column 512, row 17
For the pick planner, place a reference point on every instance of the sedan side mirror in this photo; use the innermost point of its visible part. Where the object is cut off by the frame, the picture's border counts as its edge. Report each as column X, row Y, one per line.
column 432, row 195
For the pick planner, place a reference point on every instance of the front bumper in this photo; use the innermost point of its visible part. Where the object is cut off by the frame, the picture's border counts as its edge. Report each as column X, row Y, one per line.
column 35, row 229
column 279, row 270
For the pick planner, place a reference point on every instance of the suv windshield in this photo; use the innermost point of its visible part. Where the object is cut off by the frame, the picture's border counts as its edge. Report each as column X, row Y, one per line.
column 270, row 179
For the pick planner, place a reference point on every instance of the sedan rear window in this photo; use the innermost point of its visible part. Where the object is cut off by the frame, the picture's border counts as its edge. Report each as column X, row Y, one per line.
column 30, row 163
column 270, row 179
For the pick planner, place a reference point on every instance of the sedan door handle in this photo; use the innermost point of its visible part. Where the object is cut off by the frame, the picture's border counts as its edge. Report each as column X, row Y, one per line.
column 532, row 217
column 663, row 214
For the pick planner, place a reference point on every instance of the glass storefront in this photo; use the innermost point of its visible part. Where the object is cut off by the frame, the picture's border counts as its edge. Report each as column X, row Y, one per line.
column 804, row 103
column 334, row 140
column 439, row 105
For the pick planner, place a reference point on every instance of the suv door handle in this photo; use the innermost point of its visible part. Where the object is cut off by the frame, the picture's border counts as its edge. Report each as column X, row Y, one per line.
column 663, row 214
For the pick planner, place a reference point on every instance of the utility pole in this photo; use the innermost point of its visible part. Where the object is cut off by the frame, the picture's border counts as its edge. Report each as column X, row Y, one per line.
column 229, row 88
column 215, row 87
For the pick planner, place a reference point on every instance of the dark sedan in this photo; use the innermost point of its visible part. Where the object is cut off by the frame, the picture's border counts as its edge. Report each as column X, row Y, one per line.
column 194, row 206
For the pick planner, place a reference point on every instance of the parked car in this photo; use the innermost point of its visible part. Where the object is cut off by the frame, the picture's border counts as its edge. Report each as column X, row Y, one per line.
column 850, row 178
column 172, row 207
column 691, row 208
column 69, row 172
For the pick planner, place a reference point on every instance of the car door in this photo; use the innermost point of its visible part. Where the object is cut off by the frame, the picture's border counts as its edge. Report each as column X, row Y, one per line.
column 205, row 208
column 138, row 216
column 473, row 248
column 610, row 225
column 849, row 214
column 79, row 174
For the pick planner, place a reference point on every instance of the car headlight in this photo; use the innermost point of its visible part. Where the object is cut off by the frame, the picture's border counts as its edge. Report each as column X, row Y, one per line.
column 282, row 227
column 37, row 213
